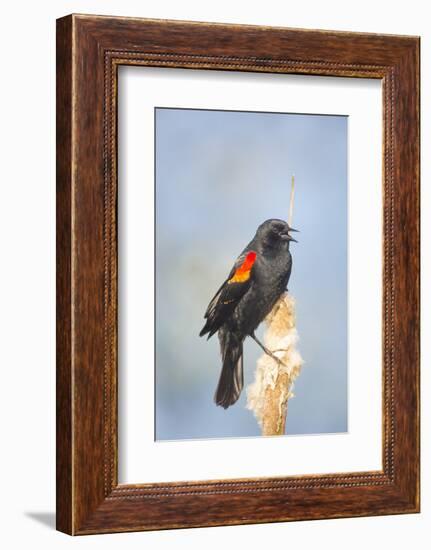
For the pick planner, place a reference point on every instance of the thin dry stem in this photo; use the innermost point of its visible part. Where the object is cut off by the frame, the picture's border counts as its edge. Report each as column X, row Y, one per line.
column 292, row 201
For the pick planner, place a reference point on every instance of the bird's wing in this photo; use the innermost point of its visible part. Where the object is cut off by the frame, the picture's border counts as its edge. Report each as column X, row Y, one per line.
column 230, row 293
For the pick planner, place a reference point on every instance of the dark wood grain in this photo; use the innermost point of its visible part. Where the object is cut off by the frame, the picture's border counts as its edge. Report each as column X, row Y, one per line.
column 64, row 289
column 90, row 49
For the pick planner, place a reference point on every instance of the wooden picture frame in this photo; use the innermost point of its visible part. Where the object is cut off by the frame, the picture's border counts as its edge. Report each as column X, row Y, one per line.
column 89, row 51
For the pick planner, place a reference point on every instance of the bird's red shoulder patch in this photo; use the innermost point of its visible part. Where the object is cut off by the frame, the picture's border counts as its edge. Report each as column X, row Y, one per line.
column 242, row 273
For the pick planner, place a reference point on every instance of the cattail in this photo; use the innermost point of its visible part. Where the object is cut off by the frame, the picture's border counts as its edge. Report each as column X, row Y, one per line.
column 268, row 396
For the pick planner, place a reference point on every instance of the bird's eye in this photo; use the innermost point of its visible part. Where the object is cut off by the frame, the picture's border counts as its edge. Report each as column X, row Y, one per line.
column 278, row 228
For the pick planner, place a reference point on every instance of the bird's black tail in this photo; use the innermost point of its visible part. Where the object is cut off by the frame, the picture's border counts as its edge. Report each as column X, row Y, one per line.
column 231, row 377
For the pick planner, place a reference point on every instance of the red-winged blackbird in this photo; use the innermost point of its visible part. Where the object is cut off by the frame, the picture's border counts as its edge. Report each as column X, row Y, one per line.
column 257, row 280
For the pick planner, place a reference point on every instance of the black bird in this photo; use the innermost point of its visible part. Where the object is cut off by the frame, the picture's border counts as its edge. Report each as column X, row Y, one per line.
column 257, row 280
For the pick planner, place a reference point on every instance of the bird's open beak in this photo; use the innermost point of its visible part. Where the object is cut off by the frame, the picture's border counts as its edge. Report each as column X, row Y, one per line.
column 287, row 237
column 295, row 231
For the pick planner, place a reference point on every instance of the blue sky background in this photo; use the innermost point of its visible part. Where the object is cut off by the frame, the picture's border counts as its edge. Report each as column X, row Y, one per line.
column 219, row 174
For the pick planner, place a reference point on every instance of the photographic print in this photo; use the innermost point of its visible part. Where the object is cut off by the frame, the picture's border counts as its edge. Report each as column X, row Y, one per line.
column 186, row 155
column 250, row 273
column 237, row 230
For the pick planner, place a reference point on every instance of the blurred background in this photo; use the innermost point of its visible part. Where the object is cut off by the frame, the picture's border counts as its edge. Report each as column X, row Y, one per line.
column 219, row 174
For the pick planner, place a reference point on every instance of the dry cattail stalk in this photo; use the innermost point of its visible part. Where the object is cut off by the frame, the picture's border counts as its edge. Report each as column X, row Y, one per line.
column 292, row 201
column 268, row 396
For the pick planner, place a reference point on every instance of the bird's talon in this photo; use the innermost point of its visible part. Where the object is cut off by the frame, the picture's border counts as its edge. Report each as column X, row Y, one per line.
column 279, row 361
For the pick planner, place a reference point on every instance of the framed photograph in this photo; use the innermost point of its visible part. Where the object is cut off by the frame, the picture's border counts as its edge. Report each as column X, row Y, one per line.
column 237, row 274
